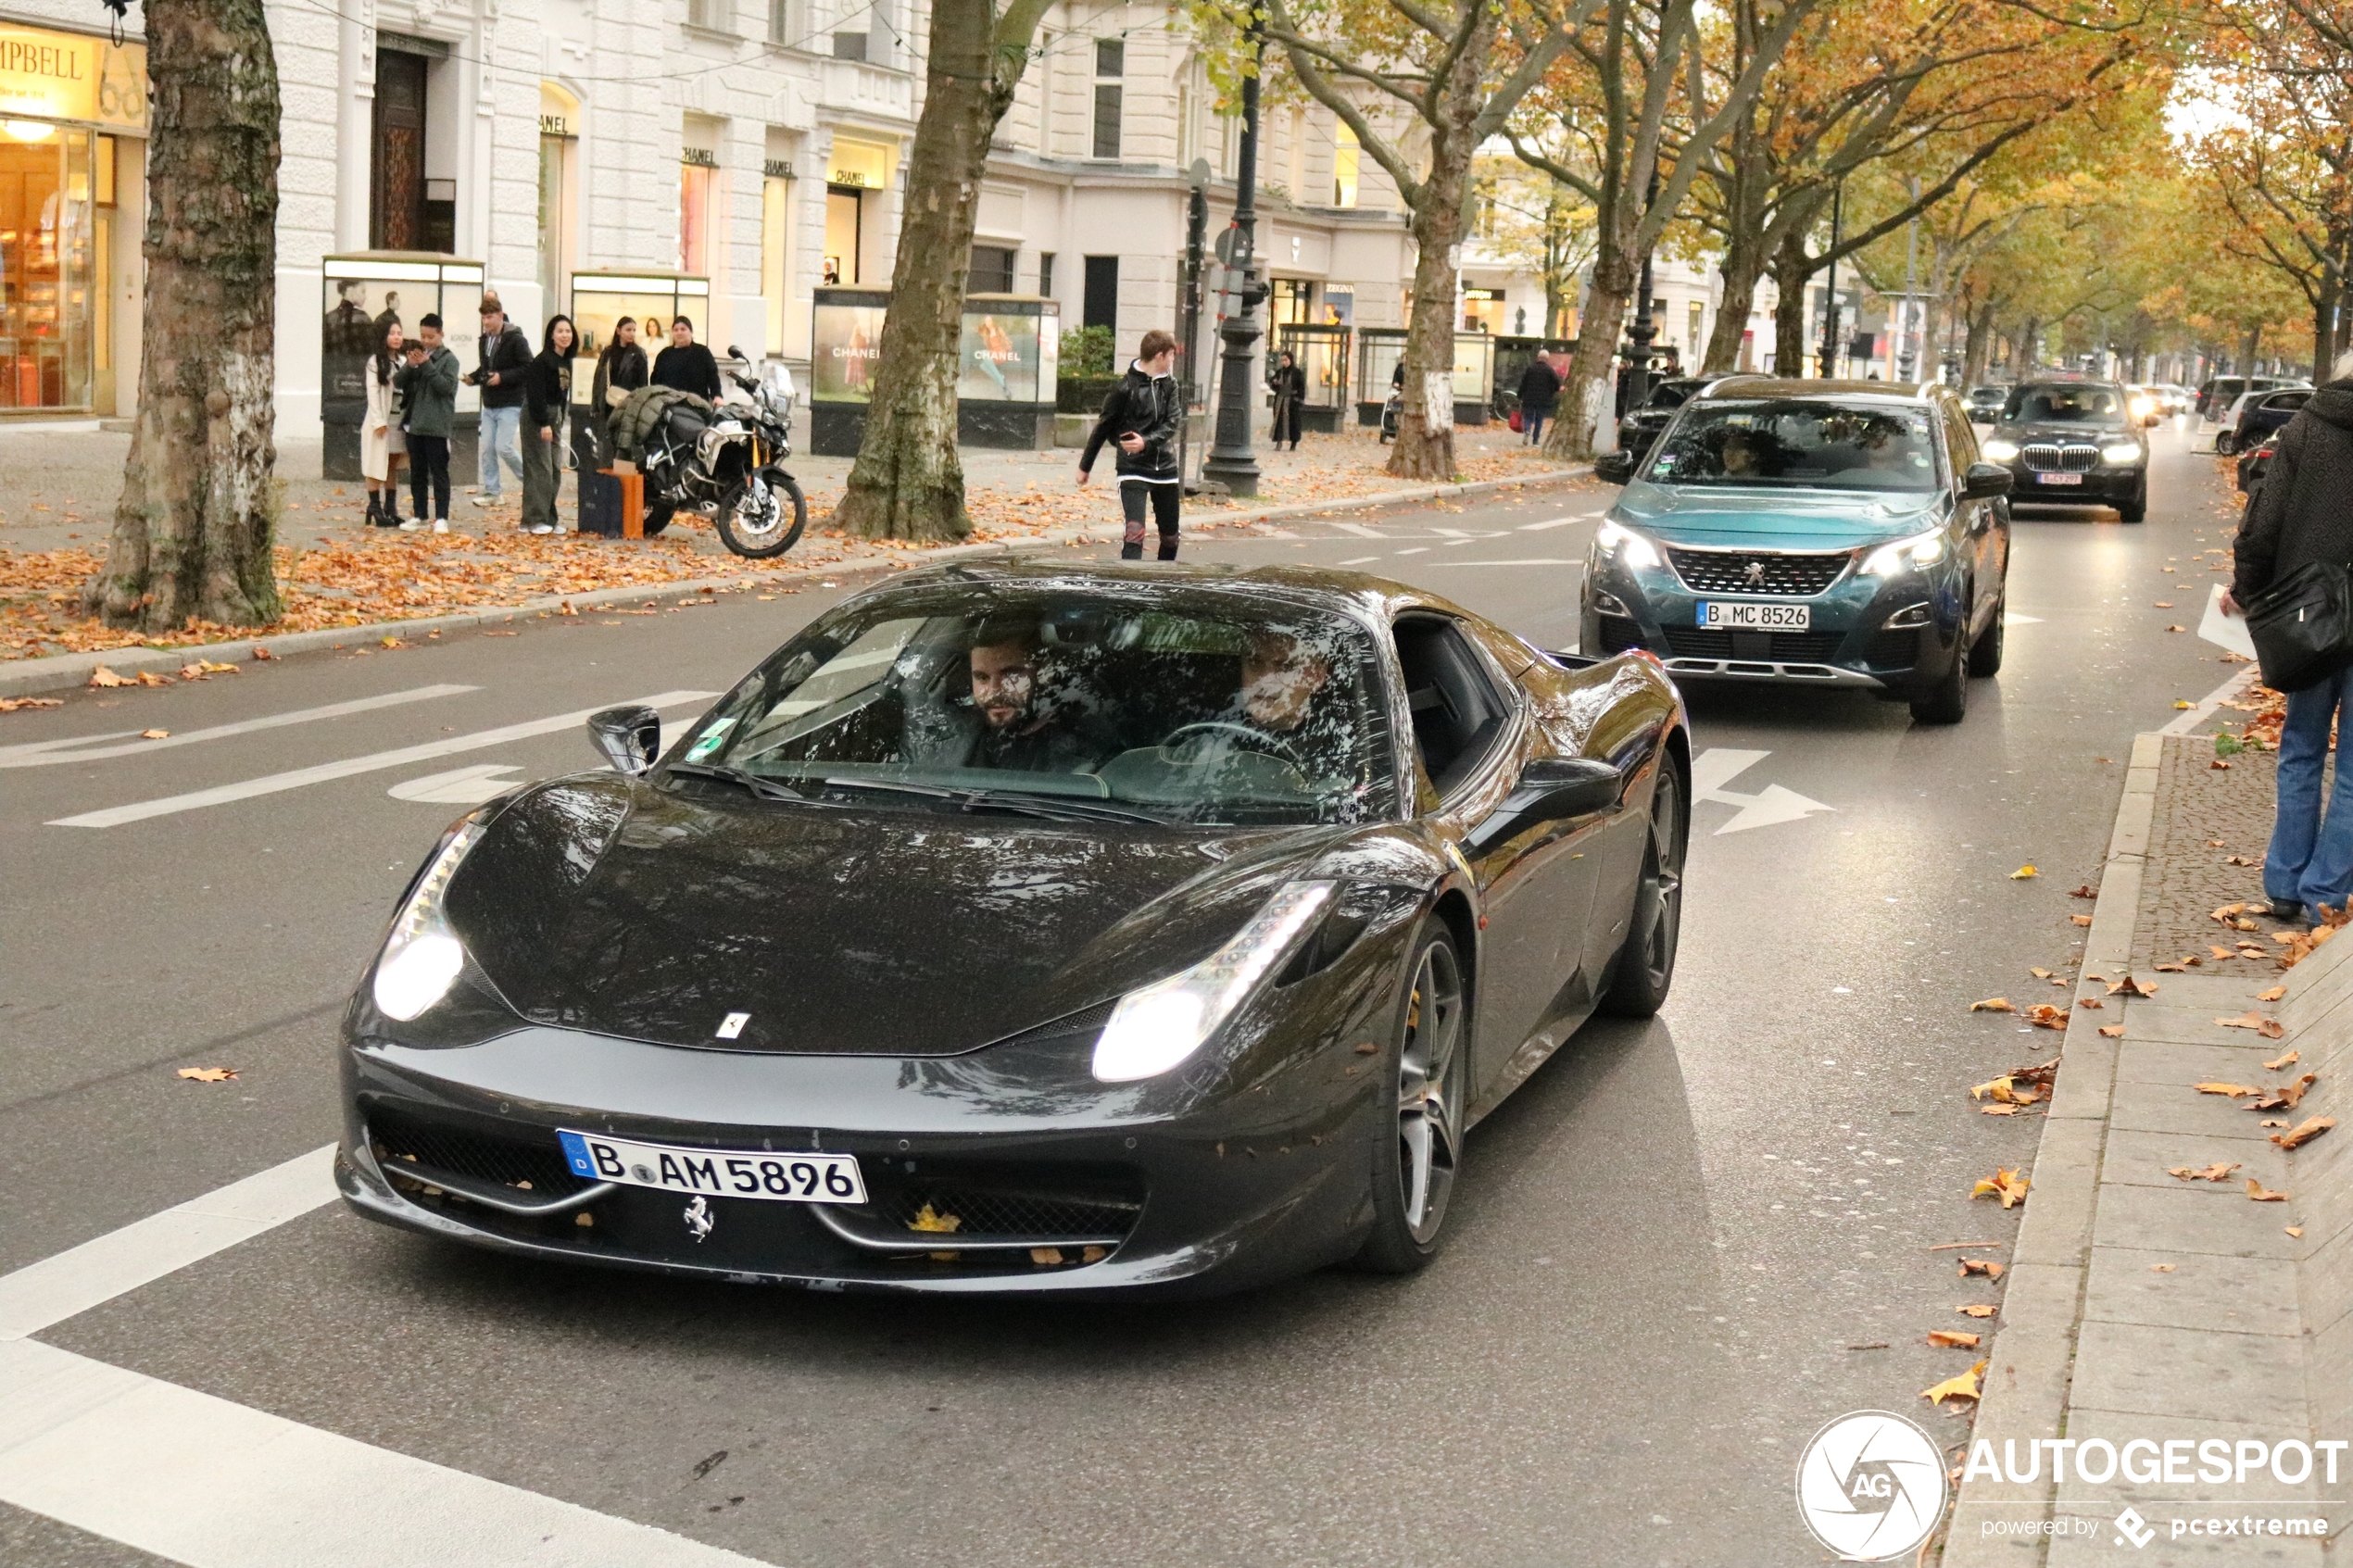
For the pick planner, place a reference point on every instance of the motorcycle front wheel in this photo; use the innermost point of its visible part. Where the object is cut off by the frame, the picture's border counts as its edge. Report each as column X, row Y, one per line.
column 762, row 516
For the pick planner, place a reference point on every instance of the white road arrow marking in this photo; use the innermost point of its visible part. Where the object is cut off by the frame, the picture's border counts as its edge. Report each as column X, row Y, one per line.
column 2012, row 618
column 1718, row 766
column 461, row 786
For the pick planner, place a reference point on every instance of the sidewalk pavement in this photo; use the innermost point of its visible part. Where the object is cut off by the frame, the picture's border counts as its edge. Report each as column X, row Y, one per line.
column 2141, row 1304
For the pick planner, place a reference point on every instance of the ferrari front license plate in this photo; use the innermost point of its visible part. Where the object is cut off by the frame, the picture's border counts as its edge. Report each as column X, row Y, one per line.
column 1754, row 618
column 2059, row 479
column 717, row 1172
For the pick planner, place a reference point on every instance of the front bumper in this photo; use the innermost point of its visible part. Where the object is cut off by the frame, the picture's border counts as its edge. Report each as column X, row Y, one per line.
column 1077, row 1186
column 2101, row 487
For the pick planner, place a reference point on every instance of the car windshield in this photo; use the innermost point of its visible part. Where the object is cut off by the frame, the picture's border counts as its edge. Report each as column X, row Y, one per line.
column 2101, row 407
column 1170, row 704
column 1798, row 444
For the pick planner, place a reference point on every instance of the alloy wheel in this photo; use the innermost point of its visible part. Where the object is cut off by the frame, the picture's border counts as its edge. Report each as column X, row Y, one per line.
column 1658, row 900
column 1428, row 1119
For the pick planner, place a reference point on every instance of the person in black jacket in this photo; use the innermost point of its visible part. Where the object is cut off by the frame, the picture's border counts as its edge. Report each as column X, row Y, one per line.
column 1142, row 416
column 1288, row 383
column 686, row 365
column 2302, row 512
column 504, row 355
column 546, row 396
column 1539, row 390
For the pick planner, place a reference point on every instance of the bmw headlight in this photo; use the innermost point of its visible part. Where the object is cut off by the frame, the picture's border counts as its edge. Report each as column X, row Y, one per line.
column 423, row 956
column 1159, row 1026
column 2122, row 452
column 2000, row 451
column 1921, row 549
column 1616, row 539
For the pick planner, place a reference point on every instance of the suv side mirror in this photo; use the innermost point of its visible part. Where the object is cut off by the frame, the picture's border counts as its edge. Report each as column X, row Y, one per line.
column 1614, row 468
column 629, row 738
column 1983, row 482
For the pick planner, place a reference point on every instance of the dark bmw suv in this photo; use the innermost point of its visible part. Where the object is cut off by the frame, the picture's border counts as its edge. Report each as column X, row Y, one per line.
column 2073, row 444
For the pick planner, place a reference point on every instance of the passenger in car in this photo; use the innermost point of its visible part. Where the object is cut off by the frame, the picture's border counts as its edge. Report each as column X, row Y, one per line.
column 1023, row 729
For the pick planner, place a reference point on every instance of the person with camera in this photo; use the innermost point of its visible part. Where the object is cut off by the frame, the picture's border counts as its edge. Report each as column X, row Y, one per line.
column 505, row 355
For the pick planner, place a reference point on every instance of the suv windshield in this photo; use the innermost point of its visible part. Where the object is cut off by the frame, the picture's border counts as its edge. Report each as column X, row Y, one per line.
column 2067, row 404
column 1175, row 704
column 1798, row 444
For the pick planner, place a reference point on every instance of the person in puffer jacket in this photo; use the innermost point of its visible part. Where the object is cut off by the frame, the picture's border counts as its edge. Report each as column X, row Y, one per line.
column 1142, row 416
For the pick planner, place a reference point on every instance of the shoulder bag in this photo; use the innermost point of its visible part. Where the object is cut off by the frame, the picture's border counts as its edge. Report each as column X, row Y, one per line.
column 2303, row 625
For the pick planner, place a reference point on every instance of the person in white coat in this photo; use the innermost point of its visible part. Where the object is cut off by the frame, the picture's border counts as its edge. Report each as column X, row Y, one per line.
column 383, row 446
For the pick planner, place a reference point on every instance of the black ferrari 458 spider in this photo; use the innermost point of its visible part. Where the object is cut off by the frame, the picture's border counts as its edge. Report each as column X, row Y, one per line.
column 1029, row 927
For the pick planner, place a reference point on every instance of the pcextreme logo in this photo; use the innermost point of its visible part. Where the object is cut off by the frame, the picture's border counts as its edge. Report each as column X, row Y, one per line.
column 1870, row 1486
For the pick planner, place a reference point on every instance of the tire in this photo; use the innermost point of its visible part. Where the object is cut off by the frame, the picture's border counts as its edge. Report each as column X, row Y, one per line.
column 1985, row 654
column 1415, row 1157
column 1947, row 702
column 1645, row 968
column 2137, row 508
column 790, row 511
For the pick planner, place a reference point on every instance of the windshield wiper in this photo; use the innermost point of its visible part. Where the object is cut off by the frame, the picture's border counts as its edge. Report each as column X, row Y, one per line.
column 990, row 800
column 766, row 789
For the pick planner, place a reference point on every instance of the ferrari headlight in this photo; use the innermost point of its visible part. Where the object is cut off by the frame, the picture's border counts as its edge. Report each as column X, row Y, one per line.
column 1159, row 1026
column 1921, row 549
column 422, row 955
column 1998, row 450
column 1616, row 539
column 2122, row 452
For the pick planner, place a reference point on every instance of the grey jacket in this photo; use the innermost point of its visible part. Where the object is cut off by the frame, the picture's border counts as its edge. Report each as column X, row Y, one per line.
column 430, row 393
column 2303, row 508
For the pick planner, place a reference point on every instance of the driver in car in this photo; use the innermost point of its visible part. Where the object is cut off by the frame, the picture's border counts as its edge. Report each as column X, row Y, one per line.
column 1021, row 729
column 1275, row 711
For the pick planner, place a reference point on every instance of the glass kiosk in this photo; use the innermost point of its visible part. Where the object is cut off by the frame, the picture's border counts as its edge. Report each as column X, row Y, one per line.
column 1380, row 350
column 361, row 293
column 1008, row 358
column 845, row 348
column 1474, row 378
column 1322, row 352
column 599, row 302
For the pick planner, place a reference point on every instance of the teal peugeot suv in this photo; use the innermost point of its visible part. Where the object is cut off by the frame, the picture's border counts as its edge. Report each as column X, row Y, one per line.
column 1810, row 532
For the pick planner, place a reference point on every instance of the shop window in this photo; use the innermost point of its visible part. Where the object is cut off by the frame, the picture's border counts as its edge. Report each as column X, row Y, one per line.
column 1101, row 305
column 775, row 254
column 694, row 216
column 1347, row 157
column 1483, row 311
column 47, row 266
column 845, row 234
column 558, row 117
column 1292, row 303
column 991, row 270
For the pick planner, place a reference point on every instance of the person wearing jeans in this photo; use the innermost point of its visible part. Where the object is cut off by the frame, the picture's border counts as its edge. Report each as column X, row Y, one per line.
column 1140, row 417
column 505, row 364
column 2301, row 514
column 428, row 387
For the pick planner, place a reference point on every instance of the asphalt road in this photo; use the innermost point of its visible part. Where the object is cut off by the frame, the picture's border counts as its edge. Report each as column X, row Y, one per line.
column 1676, row 1252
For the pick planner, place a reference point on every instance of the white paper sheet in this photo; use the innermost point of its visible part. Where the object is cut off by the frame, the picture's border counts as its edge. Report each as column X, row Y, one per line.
column 2224, row 631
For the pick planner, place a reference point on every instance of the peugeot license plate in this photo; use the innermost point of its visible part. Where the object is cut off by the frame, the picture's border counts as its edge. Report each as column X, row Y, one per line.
column 1754, row 617
column 2059, row 479
column 719, row 1173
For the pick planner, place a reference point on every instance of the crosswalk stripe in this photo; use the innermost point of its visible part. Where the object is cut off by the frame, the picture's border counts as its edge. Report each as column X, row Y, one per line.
column 85, row 748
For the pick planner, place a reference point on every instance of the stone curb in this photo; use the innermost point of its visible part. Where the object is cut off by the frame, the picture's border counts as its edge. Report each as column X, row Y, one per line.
column 58, row 671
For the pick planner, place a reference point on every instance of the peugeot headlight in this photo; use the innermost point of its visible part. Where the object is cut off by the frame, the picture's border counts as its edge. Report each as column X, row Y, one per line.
column 1616, row 539
column 2120, row 452
column 422, row 955
column 1921, row 549
column 1159, row 1026
column 2000, row 451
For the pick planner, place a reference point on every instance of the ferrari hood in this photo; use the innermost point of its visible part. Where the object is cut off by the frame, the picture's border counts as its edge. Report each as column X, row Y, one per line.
column 601, row 904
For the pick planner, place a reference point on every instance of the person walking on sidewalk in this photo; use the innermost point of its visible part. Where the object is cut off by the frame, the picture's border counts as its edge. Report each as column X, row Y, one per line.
column 546, row 396
column 383, row 446
column 1142, row 417
column 428, row 387
column 686, row 365
column 2303, row 512
column 504, row 358
column 1288, row 383
column 1540, row 390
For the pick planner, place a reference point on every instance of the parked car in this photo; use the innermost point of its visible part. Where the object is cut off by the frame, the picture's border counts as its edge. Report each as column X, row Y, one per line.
column 1985, row 403
column 1028, row 926
column 1810, row 532
column 2072, row 443
column 2255, row 415
column 2174, row 399
column 1640, row 426
column 2254, row 462
column 2216, row 396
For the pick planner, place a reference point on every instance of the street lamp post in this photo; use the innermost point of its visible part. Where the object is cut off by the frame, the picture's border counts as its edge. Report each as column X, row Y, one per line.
column 1231, row 461
column 1646, row 327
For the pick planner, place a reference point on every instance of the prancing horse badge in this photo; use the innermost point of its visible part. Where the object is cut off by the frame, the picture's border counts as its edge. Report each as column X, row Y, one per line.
column 700, row 1219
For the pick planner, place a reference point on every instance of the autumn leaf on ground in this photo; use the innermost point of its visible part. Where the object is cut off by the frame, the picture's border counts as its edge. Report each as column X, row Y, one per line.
column 2133, row 987
column 2161, row 1268
column 2274, row 994
column 2219, row 766
column 2023, row 873
column 2258, row 1193
column 2181, row 968
column 1985, row 1266
column 2218, row 1171
column 262, row 655
column 2044, row 1074
column 2270, row 1028
column 2175, row 628
column 2293, row 1230
column 2113, row 1031
column 2040, row 973
column 1979, row 1310
column 208, row 1074
column 1952, row 1339
column 2234, row 1090
column 2004, row 1184
column 2287, row 1097
column 2304, row 1133
column 2005, row 1090
column 2161, row 603
column 1961, row 1387
column 2181, row 703
column 2042, row 1015
column 1997, row 1110
column 2219, row 953
column 2081, row 920
column 155, row 734
column 2227, row 913
column 104, row 677
column 1992, row 1004
column 2086, row 891
column 13, row 704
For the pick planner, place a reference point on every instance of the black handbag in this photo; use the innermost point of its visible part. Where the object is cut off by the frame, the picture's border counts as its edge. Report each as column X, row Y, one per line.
column 2303, row 626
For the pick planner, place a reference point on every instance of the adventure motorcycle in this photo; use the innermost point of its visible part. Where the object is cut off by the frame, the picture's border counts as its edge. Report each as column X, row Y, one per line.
column 725, row 462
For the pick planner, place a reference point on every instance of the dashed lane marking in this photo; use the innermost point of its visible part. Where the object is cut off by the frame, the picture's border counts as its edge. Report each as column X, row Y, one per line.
column 1416, row 550
column 1532, row 561
column 1359, row 560
column 1548, row 523
column 271, row 783
column 86, row 749
column 1360, row 530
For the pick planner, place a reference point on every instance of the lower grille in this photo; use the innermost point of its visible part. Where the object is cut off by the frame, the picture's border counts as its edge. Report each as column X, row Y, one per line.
column 1777, row 647
column 1891, row 648
column 2051, row 457
column 1763, row 572
column 418, row 1144
column 984, row 1213
column 1620, row 635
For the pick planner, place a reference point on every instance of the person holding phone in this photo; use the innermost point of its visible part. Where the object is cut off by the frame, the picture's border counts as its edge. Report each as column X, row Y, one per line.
column 428, row 387
column 1141, row 418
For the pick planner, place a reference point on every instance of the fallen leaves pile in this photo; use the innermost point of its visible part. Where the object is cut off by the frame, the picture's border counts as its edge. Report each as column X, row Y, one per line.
column 2006, row 1185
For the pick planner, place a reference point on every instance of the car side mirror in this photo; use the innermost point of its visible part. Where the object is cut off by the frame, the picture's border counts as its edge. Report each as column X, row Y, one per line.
column 629, row 738
column 1550, row 789
column 1983, row 482
column 1614, row 468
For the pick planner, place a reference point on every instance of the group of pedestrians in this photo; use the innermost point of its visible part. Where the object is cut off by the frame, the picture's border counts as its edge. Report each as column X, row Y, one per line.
column 526, row 399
